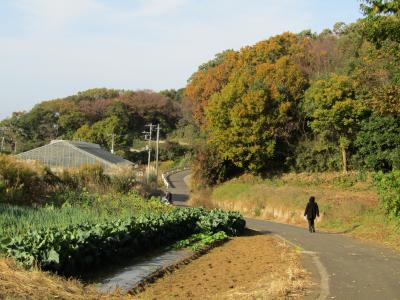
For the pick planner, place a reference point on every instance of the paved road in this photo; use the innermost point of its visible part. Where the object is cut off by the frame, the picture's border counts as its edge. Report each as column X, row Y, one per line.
column 345, row 268
column 179, row 189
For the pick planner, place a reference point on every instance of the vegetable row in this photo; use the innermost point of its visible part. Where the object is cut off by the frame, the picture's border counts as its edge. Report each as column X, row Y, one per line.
column 76, row 248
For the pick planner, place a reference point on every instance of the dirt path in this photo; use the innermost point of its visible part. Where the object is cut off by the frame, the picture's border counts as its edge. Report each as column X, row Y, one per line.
column 345, row 268
column 246, row 267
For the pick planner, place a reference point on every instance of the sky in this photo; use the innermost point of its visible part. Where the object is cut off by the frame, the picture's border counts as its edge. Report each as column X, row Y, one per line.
column 55, row 48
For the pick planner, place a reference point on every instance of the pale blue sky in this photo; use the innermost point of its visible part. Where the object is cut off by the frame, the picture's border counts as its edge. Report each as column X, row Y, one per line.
column 55, row 48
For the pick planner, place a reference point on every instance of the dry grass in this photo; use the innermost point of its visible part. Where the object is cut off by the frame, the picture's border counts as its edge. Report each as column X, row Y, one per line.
column 347, row 203
column 121, row 170
column 16, row 283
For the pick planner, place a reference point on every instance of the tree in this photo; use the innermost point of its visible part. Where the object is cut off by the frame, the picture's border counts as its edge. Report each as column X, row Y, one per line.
column 149, row 107
column 382, row 20
column 316, row 154
column 334, row 111
column 210, row 78
column 84, row 133
column 97, row 94
column 95, row 110
column 339, row 28
column 252, row 118
column 176, row 95
column 209, row 168
column 378, row 142
column 70, row 122
column 100, row 132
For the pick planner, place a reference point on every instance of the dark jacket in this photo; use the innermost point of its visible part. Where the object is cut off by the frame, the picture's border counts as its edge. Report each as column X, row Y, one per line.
column 168, row 196
column 312, row 210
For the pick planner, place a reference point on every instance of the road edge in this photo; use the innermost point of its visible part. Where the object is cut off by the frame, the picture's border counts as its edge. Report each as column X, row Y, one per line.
column 323, row 276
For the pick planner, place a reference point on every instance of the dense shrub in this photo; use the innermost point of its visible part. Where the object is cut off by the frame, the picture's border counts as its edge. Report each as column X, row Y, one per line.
column 24, row 182
column 209, row 168
column 172, row 151
column 379, row 143
column 316, row 155
column 122, row 178
column 29, row 182
column 388, row 185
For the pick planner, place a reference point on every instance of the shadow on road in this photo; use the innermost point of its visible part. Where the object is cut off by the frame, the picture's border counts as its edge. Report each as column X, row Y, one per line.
column 179, row 197
column 345, row 231
column 260, row 232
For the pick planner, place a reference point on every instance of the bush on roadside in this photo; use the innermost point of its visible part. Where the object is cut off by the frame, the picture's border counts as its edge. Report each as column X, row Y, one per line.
column 388, row 185
column 209, row 168
column 122, row 178
column 172, row 151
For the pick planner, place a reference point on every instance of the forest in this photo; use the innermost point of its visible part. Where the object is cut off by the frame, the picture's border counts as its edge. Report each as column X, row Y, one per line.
column 309, row 101
column 93, row 116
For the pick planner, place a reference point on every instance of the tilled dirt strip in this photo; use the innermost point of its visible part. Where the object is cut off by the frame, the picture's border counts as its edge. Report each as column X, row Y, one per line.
column 248, row 267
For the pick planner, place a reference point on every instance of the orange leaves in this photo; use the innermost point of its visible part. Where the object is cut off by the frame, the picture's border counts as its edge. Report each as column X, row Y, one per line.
column 209, row 79
column 269, row 63
column 248, row 103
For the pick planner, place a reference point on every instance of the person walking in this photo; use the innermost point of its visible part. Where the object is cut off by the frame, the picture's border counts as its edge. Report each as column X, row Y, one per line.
column 168, row 196
column 311, row 213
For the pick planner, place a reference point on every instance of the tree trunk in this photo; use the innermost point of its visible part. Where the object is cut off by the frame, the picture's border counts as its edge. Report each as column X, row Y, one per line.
column 344, row 159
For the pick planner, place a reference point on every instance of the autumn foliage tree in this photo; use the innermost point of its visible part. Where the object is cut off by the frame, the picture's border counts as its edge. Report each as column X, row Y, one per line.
column 253, row 115
column 209, row 79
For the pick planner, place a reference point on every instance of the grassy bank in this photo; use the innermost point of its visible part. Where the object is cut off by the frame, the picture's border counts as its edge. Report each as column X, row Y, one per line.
column 348, row 203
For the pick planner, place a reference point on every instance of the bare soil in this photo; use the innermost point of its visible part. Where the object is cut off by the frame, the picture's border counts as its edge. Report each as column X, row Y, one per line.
column 248, row 267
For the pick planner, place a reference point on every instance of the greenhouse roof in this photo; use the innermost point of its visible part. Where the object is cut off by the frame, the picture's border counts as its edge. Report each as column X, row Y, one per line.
column 70, row 154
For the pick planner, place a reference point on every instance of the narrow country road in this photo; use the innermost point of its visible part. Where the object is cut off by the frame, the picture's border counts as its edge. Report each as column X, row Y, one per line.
column 345, row 268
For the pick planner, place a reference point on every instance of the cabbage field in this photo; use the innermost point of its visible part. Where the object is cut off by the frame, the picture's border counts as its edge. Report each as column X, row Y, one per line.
column 75, row 248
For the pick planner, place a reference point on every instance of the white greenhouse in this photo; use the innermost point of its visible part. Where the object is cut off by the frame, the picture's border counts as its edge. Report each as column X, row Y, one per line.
column 60, row 154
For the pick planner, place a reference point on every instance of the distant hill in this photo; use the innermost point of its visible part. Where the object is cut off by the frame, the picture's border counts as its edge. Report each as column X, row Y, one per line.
column 93, row 116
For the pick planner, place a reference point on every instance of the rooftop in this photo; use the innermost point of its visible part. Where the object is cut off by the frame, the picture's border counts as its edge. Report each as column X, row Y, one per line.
column 66, row 154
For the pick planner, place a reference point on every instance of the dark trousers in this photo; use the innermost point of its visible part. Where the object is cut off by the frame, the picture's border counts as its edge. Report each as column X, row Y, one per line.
column 311, row 227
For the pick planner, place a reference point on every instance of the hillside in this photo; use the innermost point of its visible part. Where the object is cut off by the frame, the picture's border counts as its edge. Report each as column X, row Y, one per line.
column 306, row 102
column 93, row 116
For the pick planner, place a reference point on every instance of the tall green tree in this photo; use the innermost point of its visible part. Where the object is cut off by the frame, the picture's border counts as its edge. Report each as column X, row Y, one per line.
column 334, row 111
column 101, row 132
column 378, row 142
column 382, row 20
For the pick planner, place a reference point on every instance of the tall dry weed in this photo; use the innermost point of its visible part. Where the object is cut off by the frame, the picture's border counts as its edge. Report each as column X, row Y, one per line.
column 17, row 283
column 24, row 182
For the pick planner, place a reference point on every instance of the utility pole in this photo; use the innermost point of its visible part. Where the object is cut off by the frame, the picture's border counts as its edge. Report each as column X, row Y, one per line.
column 158, row 140
column 112, row 142
column 2, row 144
column 3, row 133
column 147, row 136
